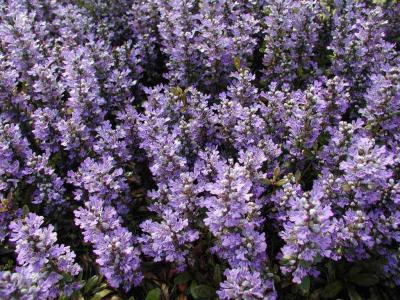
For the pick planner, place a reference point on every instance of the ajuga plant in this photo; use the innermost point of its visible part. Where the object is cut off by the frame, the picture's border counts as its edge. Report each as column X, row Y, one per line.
column 186, row 149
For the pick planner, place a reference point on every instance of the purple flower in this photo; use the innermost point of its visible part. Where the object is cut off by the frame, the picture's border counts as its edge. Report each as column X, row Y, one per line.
column 309, row 231
column 243, row 284
column 172, row 238
column 290, row 39
column 36, row 246
column 113, row 244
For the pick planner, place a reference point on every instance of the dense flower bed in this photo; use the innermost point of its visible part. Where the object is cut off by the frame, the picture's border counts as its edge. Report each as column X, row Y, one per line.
column 186, row 149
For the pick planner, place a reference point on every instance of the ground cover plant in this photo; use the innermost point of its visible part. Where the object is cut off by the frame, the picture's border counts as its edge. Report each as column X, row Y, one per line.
column 199, row 149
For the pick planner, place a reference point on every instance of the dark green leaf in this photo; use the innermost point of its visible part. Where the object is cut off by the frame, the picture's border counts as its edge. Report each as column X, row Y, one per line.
column 263, row 46
column 203, row 292
column 76, row 295
column 305, row 285
column 297, row 176
column 154, row 294
column 316, row 294
column 353, row 294
column 364, row 279
column 331, row 271
column 25, row 210
column 67, row 277
column 374, row 294
column 193, row 284
column 315, row 147
column 318, row 259
column 101, row 287
column 332, row 289
column 276, row 278
column 306, row 264
column 182, row 278
column 354, row 270
column 217, row 274
column 267, row 181
column 100, row 295
column 91, row 283
column 277, row 172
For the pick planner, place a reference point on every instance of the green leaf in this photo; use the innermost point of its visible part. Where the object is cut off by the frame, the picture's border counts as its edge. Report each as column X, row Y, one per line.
column 315, row 147
column 297, row 176
column 280, row 182
column 193, row 284
column 102, row 286
column 91, row 283
column 353, row 294
column 217, row 274
column 25, row 210
column 263, row 47
column 316, row 294
column 100, row 295
column 154, row 294
column 176, row 91
column 67, row 277
column 318, row 259
column 305, row 285
column 332, row 289
column 331, row 271
column 364, row 279
column 306, row 264
column 182, row 278
column 203, row 292
column 375, row 294
column 277, row 172
column 300, row 72
column 236, row 62
column 267, row 181
column 354, row 270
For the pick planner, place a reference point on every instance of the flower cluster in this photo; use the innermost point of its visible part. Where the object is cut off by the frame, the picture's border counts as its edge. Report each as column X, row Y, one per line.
column 233, row 217
column 252, row 142
column 113, row 244
column 291, row 37
column 309, row 229
column 43, row 262
column 202, row 39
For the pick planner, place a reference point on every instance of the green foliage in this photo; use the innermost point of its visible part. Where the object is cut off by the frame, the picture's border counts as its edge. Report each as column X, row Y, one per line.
column 100, row 295
column 364, row 279
column 305, row 285
column 202, row 292
column 182, row 278
column 154, row 294
column 332, row 289
column 352, row 292
column 91, row 283
column 217, row 274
